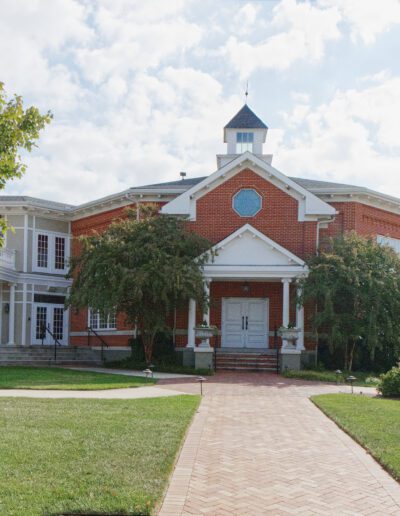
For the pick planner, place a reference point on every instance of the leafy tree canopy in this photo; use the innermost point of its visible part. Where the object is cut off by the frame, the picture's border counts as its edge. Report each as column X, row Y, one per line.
column 143, row 268
column 19, row 129
column 354, row 284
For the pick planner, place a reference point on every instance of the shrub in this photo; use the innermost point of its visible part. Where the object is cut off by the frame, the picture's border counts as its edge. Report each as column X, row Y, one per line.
column 390, row 383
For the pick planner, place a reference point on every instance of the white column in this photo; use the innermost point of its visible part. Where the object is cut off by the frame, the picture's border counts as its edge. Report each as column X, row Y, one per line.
column 191, row 323
column 23, row 322
column 206, row 311
column 300, row 321
column 285, row 306
column 11, row 316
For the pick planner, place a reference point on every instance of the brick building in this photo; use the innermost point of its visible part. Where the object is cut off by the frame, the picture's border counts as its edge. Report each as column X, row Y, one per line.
column 263, row 225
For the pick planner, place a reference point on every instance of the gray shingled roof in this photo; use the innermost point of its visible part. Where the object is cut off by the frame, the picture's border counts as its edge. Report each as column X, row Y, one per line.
column 245, row 119
column 184, row 183
column 35, row 200
column 305, row 183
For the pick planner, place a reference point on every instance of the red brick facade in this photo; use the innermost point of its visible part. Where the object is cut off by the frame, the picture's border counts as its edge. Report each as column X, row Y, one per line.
column 216, row 219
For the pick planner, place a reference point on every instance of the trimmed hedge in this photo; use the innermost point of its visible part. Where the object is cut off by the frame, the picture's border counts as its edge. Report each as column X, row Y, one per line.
column 389, row 385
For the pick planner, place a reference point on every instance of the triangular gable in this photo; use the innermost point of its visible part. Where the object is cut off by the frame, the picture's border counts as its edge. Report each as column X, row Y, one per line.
column 310, row 206
column 249, row 247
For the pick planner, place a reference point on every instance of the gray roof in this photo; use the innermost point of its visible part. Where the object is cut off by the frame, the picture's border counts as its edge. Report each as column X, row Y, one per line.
column 25, row 199
column 305, row 183
column 313, row 185
column 245, row 119
column 184, row 183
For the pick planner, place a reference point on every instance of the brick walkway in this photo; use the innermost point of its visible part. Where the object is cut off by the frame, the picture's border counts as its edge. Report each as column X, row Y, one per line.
column 259, row 446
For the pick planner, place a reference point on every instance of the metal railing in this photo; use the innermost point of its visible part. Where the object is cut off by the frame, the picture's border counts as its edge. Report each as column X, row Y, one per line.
column 45, row 329
column 102, row 341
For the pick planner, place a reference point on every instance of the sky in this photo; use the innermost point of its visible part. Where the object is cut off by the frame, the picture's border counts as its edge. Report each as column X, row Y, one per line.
column 141, row 90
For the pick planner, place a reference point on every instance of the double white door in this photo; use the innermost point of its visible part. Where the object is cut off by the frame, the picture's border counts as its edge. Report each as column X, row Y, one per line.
column 245, row 322
column 54, row 318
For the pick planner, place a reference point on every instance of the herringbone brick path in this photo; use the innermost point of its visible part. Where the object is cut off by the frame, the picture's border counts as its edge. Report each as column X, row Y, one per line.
column 258, row 446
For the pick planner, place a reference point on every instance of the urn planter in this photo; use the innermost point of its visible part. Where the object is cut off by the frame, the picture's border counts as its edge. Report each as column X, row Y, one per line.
column 205, row 333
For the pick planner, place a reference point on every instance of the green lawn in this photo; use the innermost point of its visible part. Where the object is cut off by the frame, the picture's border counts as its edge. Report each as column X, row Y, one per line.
column 373, row 422
column 363, row 379
column 52, row 378
column 75, row 456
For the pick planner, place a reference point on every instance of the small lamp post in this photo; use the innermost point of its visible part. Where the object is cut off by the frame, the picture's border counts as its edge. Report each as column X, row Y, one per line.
column 148, row 373
column 351, row 379
column 338, row 372
column 200, row 379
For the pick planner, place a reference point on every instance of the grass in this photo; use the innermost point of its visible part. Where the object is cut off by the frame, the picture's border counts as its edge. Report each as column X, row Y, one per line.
column 88, row 456
column 363, row 379
column 373, row 422
column 19, row 377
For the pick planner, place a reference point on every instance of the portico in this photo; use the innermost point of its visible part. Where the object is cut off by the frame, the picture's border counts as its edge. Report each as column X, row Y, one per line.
column 250, row 283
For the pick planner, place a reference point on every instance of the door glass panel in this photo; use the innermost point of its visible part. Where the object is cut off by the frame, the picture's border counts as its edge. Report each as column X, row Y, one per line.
column 41, row 322
column 42, row 250
column 59, row 257
column 58, row 323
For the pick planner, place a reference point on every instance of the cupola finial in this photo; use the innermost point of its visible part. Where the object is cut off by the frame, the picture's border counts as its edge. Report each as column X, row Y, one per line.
column 246, row 93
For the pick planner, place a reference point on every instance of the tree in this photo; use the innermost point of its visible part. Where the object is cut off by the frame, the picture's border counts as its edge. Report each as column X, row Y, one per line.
column 354, row 284
column 19, row 129
column 143, row 268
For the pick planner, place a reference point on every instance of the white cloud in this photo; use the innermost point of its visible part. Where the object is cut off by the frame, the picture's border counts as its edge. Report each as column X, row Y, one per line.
column 135, row 36
column 164, row 124
column 353, row 138
column 303, row 32
column 367, row 18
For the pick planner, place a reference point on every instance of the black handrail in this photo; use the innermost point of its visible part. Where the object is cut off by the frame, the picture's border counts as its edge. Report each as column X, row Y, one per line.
column 103, row 342
column 44, row 328
column 276, row 349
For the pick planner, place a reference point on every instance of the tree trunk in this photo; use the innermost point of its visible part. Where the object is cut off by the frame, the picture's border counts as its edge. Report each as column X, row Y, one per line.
column 148, row 342
column 346, row 362
column 351, row 355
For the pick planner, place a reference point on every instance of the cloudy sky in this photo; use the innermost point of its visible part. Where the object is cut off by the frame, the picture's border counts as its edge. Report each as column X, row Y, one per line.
column 141, row 90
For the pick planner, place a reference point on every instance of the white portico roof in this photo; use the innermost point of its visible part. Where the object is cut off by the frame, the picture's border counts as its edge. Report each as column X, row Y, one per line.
column 249, row 254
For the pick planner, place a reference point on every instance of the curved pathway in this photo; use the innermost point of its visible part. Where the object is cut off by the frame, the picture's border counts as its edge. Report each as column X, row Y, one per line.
column 130, row 393
column 258, row 446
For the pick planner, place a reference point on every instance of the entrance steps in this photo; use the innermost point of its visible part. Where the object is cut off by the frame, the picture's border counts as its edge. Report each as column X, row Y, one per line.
column 246, row 360
column 44, row 355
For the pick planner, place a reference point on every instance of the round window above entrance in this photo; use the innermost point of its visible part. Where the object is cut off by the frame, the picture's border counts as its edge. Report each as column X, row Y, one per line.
column 247, row 202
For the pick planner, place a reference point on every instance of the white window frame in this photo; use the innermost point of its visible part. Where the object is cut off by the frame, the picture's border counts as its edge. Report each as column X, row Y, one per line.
column 97, row 328
column 394, row 243
column 244, row 146
column 51, row 252
column 50, row 318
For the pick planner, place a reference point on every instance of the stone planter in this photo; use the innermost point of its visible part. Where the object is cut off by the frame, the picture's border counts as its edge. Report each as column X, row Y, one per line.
column 205, row 333
column 289, row 334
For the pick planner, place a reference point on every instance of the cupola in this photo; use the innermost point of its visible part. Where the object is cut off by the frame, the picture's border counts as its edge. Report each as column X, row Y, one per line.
column 245, row 132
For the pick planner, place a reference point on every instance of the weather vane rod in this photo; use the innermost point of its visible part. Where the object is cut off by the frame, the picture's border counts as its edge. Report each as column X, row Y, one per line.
column 246, row 93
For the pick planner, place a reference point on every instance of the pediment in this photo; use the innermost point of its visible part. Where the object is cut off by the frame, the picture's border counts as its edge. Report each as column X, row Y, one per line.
column 310, row 207
column 249, row 247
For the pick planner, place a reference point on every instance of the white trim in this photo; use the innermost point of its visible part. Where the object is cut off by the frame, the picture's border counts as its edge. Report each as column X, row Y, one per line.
column 103, row 332
column 23, row 322
column 25, row 257
column 51, row 250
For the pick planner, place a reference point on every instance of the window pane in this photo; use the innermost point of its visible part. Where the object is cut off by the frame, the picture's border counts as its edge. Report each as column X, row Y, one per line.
column 59, row 258
column 58, row 323
column 99, row 321
column 250, row 137
column 42, row 250
column 41, row 322
column 239, row 137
